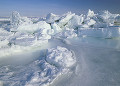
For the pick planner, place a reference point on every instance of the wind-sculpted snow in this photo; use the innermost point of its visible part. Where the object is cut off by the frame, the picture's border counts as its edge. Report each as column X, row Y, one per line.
column 40, row 72
column 44, row 73
column 60, row 57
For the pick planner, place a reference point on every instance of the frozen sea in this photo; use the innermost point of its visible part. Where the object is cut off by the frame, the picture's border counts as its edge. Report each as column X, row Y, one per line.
column 66, row 50
column 97, row 64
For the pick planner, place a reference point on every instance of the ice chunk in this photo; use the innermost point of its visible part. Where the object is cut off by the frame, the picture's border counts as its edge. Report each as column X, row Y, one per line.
column 108, row 17
column 52, row 18
column 76, row 21
column 61, row 57
column 56, row 28
column 90, row 13
column 100, row 20
column 117, row 20
column 65, row 19
column 89, row 20
column 16, row 21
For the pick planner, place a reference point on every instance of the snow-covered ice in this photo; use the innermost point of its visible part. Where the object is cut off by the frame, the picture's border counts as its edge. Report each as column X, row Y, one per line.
column 60, row 57
column 60, row 50
column 39, row 72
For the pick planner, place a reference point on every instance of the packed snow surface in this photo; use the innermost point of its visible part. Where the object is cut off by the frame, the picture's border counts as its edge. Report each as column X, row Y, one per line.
column 60, row 50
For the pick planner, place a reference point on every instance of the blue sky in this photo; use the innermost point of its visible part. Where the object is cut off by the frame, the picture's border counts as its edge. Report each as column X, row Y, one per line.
column 43, row 7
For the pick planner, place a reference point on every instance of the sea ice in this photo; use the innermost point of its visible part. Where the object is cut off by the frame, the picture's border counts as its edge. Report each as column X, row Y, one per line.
column 25, row 34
